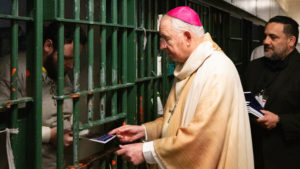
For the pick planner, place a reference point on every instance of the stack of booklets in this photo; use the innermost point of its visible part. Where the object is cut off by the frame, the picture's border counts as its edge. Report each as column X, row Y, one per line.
column 253, row 105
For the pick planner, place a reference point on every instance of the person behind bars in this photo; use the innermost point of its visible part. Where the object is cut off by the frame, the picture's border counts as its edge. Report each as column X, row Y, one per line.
column 49, row 88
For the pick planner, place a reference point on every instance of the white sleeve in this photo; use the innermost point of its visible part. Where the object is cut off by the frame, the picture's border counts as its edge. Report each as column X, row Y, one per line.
column 148, row 152
column 46, row 134
column 150, row 155
column 146, row 137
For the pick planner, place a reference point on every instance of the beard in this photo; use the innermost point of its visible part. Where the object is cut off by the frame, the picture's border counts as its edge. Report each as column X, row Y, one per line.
column 274, row 54
column 51, row 66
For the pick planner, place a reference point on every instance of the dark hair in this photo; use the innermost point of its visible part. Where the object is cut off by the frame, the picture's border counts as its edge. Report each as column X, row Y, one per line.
column 290, row 26
column 51, row 32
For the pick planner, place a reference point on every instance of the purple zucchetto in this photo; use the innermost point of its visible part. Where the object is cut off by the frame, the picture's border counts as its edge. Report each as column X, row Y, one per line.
column 185, row 14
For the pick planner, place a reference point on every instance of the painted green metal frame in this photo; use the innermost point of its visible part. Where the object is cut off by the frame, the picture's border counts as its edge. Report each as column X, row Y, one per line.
column 128, row 82
column 26, row 156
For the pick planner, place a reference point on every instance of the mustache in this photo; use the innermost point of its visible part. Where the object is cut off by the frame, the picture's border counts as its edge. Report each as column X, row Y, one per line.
column 266, row 47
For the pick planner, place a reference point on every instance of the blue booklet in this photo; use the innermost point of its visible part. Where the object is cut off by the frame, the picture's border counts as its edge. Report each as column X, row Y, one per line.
column 100, row 139
column 253, row 105
column 103, row 139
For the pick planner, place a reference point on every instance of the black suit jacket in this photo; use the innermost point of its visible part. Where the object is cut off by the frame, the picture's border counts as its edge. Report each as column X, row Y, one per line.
column 278, row 148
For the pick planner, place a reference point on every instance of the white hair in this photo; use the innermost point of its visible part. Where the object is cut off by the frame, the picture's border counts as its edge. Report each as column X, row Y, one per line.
column 181, row 26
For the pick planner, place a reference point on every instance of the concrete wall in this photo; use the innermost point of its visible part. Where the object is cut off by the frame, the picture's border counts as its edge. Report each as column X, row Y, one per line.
column 264, row 9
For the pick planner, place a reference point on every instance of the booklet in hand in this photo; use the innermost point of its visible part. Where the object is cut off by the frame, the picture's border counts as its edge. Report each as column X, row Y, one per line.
column 103, row 139
column 253, row 105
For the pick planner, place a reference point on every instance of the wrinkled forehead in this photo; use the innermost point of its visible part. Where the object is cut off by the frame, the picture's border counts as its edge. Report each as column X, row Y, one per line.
column 165, row 21
column 165, row 25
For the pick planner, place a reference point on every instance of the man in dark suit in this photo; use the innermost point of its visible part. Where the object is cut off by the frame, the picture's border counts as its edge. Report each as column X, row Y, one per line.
column 275, row 79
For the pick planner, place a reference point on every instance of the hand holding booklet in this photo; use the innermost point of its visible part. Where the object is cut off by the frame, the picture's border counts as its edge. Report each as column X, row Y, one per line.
column 253, row 105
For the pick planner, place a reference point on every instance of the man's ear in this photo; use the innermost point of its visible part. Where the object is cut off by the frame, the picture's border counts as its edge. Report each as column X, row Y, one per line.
column 188, row 37
column 291, row 41
column 48, row 47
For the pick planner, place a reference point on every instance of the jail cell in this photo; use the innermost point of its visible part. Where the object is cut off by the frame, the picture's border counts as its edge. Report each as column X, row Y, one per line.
column 21, row 31
column 116, row 80
column 118, row 77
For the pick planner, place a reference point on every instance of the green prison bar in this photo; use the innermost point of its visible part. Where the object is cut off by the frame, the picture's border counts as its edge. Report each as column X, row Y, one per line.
column 115, row 77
